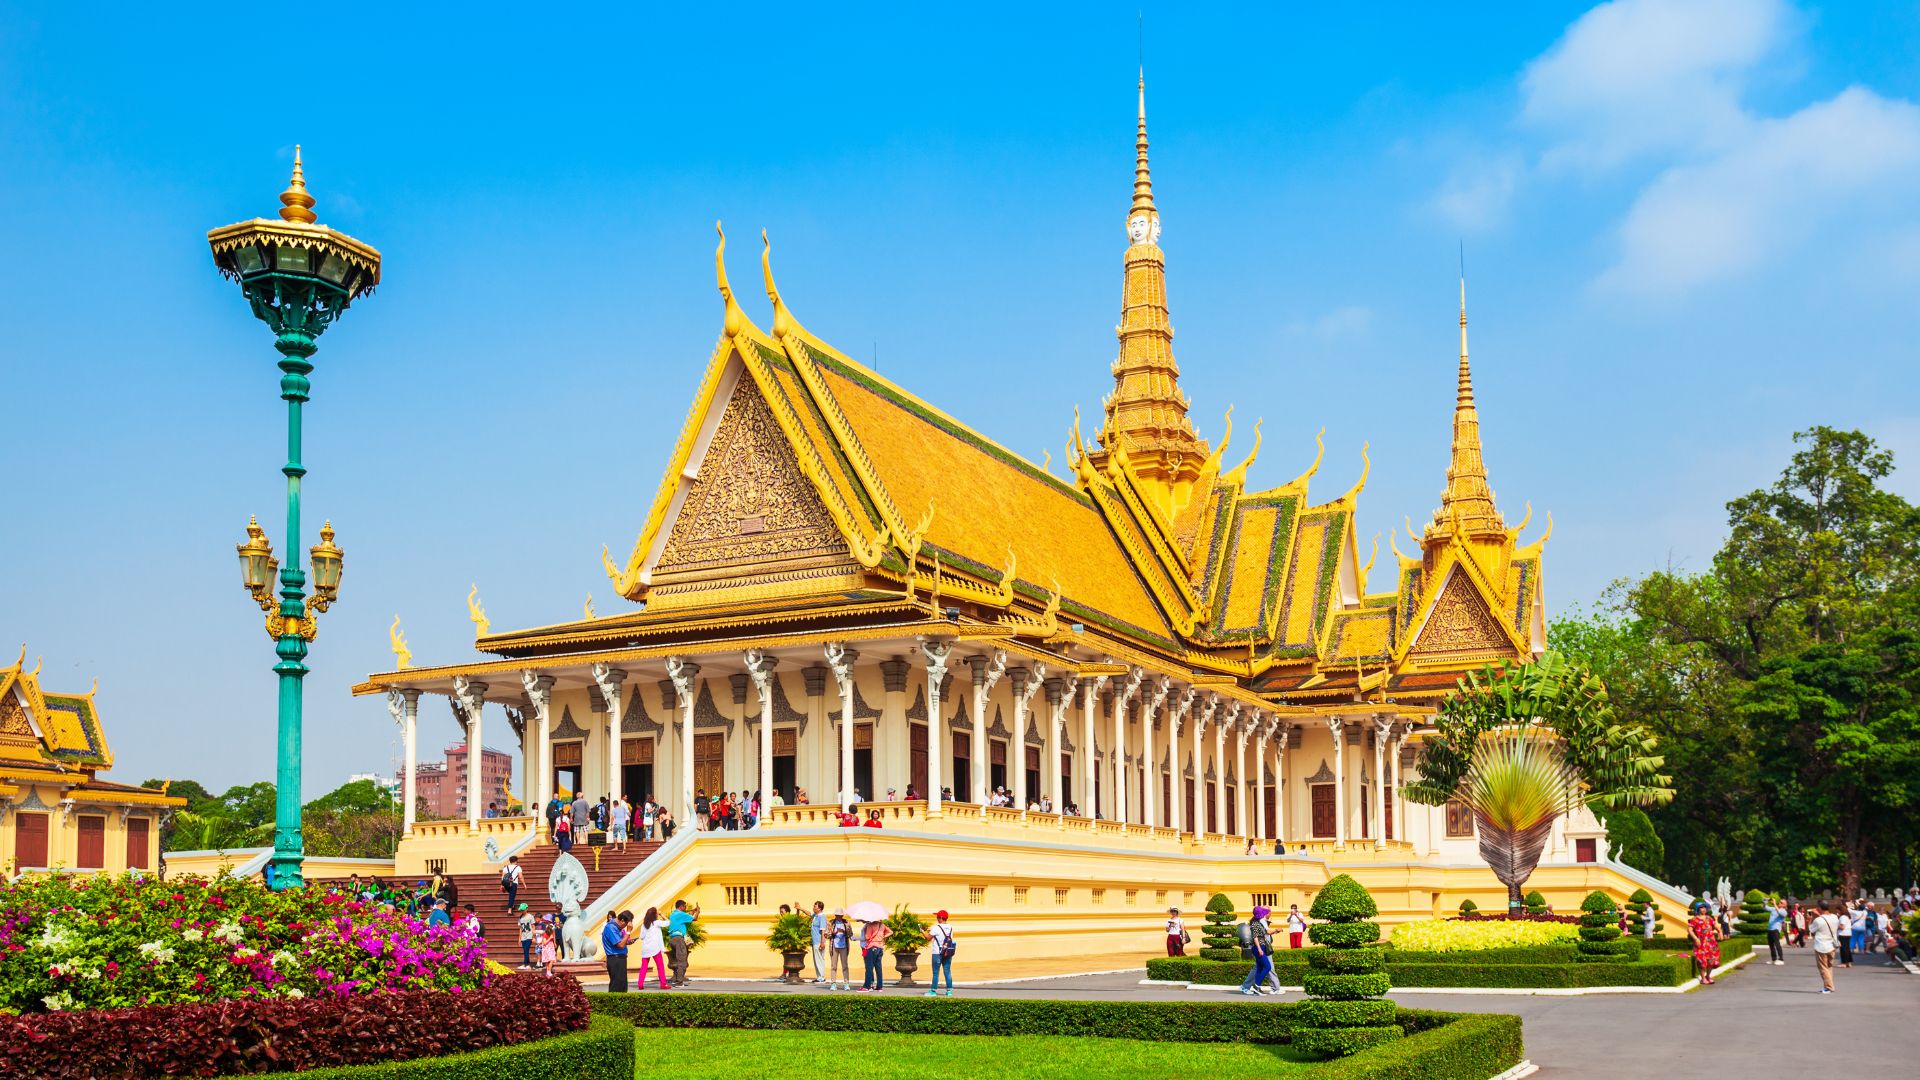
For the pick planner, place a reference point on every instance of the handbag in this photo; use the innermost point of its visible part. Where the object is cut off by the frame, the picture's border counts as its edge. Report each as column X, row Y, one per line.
column 1185, row 938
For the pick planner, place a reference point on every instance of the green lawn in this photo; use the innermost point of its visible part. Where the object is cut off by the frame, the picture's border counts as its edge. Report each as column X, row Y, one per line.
column 810, row 1055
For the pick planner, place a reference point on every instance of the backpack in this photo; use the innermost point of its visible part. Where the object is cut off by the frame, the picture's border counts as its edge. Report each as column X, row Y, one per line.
column 1246, row 939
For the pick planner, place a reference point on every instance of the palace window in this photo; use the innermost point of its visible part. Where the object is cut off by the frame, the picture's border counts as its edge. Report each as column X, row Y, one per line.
column 1160, row 897
column 1060, row 896
column 1099, row 896
column 1459, row 819
column 1133, row 897
column 743, row 896
column 976, row 894
column 92, row 853
column 1019, row 894
column 1266, row 900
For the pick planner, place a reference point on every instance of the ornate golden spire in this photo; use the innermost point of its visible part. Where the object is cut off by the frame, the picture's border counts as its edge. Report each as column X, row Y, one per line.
column 1467, row 499
column 295, row 203
column 1146, row 415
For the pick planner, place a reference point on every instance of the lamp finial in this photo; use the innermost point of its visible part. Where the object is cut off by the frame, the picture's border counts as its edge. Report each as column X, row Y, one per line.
column 295, row 203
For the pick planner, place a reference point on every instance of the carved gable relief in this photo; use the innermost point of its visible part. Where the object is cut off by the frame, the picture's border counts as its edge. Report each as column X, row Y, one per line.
column 1460, row 623
column 751, row 503
column 634, row 719
column 13, row 718
column 1323, row 776
column 568, row 728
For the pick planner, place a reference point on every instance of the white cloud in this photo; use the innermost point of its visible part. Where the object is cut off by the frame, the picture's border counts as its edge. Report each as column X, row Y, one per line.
column 1347, row 321
column 1661, row 85
column 1700, row 222
column 1634, row 76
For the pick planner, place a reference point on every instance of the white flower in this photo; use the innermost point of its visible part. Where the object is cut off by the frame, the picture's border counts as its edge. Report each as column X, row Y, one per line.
column 282, row 958
column 230, row 932
column 56, row 1002
column 154, row 950
column 295, row 992
column 54, row 936
column 191, row 935
column 90, row 973
column 56, row 970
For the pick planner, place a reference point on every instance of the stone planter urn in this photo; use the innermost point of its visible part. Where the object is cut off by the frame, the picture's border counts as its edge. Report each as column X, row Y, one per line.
column 905, row 964
column 791, row 963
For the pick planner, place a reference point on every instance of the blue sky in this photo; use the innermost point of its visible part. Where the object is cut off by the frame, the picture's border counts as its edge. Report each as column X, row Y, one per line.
column 1690, row 229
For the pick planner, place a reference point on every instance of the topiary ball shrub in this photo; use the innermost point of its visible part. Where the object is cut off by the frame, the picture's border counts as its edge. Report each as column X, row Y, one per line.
column 1468, row 907
column 1753, row 914
column 1637, row 906
column 1219, row 939
column 1347, row 980
column 1599, row 929
column 1536, row 903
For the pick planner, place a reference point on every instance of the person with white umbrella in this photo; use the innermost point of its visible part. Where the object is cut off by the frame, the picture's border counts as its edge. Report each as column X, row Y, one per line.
column 873, row 942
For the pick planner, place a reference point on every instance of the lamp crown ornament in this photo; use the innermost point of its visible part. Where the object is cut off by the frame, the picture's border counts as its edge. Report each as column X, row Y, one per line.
column 295, row 203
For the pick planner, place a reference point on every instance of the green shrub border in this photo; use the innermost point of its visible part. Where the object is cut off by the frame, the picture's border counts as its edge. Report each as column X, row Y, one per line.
column 1438, row 1046
column 604, row 1049
column 1660, row 969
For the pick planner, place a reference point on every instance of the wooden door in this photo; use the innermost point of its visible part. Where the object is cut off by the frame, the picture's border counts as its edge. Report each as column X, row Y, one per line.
column 917, row 758
column 29, row 840
column 92, row 854
column 1062, row 797
column 1365, row 803
column 1270, row 803
column 1213, row 819
column 1323, row 812
column 138, row 844
column 997, row 765
column 709, row 763
column 962, row 782
column 1388, row 815
column 1033, row 774
column 1192, row 823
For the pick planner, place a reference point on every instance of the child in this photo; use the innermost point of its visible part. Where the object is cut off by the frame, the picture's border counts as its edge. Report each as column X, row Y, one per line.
column 549, row 951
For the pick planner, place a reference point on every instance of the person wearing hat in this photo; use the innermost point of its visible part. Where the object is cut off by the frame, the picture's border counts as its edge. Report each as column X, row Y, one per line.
column 526, row 937
column 439, row 916
column 940, row 937
column 1262, row 953
column 840, row 941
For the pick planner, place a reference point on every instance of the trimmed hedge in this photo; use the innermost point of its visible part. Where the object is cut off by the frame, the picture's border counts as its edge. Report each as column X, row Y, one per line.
column 1637, row 905
column 1438, row 1046
column 1220, row 938
column 1599, row 930
column 1351, row 970
column 281, row 1035
column 1731, row 949
column 604, row 1049
column 1343, row 935
column 1753, row 914
column 1660, row 969
column 1536, row 903
column 1457, row 1047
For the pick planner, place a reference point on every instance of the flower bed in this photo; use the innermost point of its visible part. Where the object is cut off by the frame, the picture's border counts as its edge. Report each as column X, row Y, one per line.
column 1461, row 970
column 1524, row 916
column 1476, row 934
column 100, row 942
column 278, row 1035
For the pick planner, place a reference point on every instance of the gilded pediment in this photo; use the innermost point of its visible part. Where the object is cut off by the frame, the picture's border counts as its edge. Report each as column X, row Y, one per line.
column 1461, row 622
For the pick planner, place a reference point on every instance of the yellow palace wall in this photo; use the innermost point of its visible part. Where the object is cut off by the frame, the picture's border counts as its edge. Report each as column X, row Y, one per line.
column 63, row 831
column 315, row 868
column 1045, row 897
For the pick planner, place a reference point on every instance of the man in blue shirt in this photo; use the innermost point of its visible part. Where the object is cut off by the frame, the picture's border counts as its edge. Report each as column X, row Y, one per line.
column 613, row 941
column 819, row 944
column 1776, row 925
column 677, row 924
column 439, row 916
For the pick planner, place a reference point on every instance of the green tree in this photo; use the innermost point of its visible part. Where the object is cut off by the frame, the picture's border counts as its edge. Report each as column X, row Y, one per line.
column 1524, row 744
column 1220, row 938
column 1348, row 980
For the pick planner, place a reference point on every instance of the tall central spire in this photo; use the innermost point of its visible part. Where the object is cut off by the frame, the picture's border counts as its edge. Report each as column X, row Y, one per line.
column 1146, row 415
column 1467, row 497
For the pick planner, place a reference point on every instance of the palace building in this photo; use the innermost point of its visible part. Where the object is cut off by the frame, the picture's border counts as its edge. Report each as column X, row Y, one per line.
column 842, row 590
column 56, row 814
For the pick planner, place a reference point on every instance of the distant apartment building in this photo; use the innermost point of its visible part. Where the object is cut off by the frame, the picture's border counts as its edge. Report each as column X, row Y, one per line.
column 388, row 784
column 441, row 786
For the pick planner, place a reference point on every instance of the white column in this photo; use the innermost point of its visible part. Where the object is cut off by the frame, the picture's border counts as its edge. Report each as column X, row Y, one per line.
column 840, row 659
column 473, row 701
column 1089, row 749
column 986, row 672
column 760, row 668
column 1220, row 766
column 1399, row 804
column 1240, row 770
column 936, row 653
column 1121, row 780
column 1382, row 727
column 1176, row 783
column 1150, row 796
column 405, row 707
column 1059, row 700
column 1025, row 685
column 682, row 673
column 609, row 680
column 1259, row 823
column 540, row 694
column 1280, row 788
column 1203, row 719
column 1336, row 726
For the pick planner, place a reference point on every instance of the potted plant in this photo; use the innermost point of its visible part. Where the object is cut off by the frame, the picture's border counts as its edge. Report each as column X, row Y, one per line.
column 909, row 936
column 791, row 937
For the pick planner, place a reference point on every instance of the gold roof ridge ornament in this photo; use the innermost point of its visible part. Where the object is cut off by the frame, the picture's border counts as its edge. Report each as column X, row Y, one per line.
column 736, row 319
column 783, row 321
column 397, row 641
column 1238, row 474
column 477, row 613
column 295, row 203
column 589, row 608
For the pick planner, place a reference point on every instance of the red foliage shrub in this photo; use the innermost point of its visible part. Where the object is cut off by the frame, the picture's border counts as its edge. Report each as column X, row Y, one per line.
column 234, row 1037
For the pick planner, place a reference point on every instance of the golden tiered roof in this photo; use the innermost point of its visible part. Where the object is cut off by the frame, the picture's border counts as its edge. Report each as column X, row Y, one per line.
column 55, row 738
column 808, row 494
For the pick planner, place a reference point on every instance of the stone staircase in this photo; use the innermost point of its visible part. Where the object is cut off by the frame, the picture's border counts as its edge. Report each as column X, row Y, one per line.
column 490, row 903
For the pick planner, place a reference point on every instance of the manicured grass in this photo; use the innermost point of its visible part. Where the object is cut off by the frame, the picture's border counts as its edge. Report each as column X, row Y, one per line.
column 809, row 1055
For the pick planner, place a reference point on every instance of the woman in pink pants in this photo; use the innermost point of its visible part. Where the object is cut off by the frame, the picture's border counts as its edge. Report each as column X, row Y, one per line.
column 653, row 948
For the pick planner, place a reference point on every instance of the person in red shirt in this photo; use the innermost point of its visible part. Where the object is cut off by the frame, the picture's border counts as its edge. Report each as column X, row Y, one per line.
column 873, row 819
column 849, row 819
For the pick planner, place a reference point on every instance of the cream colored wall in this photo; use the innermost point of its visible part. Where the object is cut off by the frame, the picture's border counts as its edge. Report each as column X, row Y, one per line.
column 63, row 832
column 1114, row 901
column 314, row 868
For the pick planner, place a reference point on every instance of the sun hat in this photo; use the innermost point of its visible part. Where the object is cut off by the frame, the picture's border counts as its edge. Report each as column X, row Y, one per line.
column 1261, row 912
column 522, row 907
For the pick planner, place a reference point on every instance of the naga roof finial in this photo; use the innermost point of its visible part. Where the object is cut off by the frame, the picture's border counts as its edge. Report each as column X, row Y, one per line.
column 736, row 319
column 295, row 203
column 783, row 321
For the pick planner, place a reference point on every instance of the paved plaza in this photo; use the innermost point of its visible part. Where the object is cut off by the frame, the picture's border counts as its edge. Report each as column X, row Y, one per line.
column 1758, row 1021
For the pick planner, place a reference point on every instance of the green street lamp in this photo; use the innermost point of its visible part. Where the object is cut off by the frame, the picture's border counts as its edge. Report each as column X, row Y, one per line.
column 298, row 276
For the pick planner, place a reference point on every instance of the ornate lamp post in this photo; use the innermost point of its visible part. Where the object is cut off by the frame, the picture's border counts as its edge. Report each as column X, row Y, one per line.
column 298, row 276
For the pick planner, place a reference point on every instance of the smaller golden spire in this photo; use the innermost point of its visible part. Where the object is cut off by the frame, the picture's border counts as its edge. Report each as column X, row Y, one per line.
column 1142, row 177
column 295, row 203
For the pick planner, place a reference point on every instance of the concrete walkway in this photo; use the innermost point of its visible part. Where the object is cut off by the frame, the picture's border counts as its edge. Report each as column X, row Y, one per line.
column 1759, row 1021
